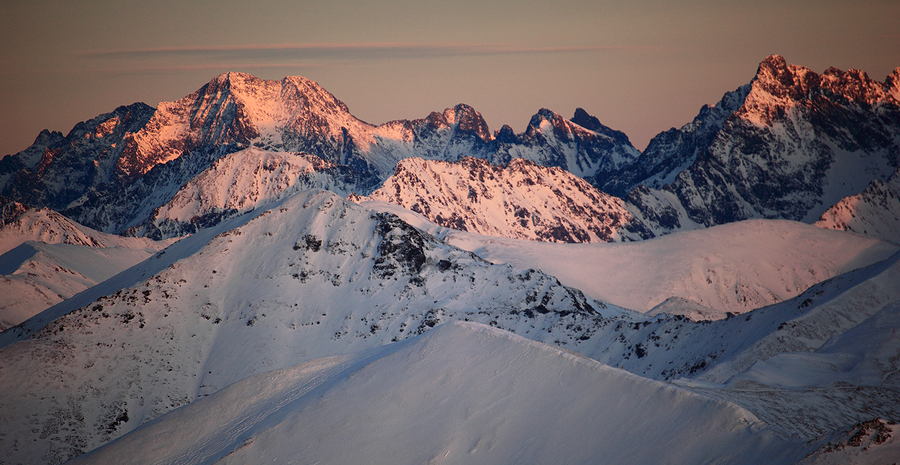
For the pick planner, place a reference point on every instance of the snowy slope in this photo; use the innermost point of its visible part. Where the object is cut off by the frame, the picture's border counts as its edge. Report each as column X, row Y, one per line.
column 519, row 200
column 22, row 223
column 46, row 258
column 864, row 355
column 462, row 393
column 730, row 268
column 237, row 183
column 35, row 275
column 809, row 320
column 875, row 212
column 853, row 376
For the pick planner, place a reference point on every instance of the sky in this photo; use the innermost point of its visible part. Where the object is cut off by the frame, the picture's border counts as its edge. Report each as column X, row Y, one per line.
column 640, row 66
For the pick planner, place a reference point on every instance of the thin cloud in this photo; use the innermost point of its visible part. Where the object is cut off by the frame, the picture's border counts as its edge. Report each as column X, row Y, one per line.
column 205, row 67
column 351, row 51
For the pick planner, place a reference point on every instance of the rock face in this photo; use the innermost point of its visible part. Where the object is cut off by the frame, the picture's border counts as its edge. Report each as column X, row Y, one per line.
column 56, row 171
column 582, row 146
column 672, row 151
column 797, row 143
column 521, row 200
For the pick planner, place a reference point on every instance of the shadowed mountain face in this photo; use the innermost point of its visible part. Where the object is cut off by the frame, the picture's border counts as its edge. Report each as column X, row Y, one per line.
column 789, row 145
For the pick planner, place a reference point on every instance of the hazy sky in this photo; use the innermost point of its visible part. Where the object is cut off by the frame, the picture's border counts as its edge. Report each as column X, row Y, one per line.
column 640, row 66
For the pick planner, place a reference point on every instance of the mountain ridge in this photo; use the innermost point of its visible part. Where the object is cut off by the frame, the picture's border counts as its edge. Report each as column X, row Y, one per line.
column 270, row 270
column 518, row 200
column 798, row 143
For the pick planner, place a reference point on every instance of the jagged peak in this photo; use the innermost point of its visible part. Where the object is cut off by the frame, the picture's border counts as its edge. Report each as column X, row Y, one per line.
column 592, row 123
column 892, row 84
column 586, row 120
column 777, row 77
column 234, row 76
column 468, row 119
column 773, row 61
column 308, row 87
column 544, row 114
column 781, row 79
column 226, row 82
column 239, row 87
column 549, row 116
column 461, row 116
column 505, row 134
column 47, row 137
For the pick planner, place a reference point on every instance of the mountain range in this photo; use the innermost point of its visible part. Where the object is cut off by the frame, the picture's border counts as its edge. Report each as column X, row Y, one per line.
column 252, row 274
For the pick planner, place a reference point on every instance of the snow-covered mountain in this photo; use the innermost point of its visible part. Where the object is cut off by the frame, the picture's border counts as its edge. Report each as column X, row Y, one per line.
column 583, row 146
column 238, row 183
column 56, row 171
column 519, row 200
column 874, row 212
column 462, row 393
column 235, row 108
column 20, row 223
column 46, row 258
column 797, row 143
column 788, row 145
column 111, row 172
column 36, row 275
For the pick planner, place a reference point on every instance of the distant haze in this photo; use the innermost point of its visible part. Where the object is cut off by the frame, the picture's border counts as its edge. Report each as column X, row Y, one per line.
column 640, row 67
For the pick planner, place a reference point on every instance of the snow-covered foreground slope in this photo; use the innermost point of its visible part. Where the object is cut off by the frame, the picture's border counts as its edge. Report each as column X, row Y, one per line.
column 850, row 378
column 462, row 393
column 864, row 355
column 313, row 276
column 875, row 212
column 46, row 258
column 520, row 200
column 730, row 268
column 870, row 442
